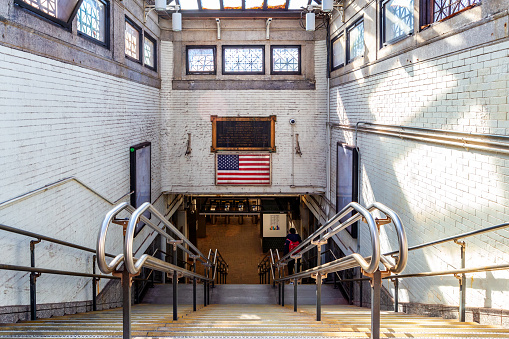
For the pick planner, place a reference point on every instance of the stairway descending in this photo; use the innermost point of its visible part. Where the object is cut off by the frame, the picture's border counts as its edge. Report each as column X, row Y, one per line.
column 243, row 294
column 247, row 321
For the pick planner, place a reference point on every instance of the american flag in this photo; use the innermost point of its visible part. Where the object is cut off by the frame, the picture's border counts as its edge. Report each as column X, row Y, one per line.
column 243, row 169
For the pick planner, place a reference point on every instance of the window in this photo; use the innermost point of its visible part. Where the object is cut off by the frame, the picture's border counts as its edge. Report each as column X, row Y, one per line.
column 338, row 51
column 149, row 52
column 201, row 60
column 347, row 182
column 243, row 60
column 60, row 11
column 397, row 20
column 132, row 40
column 355, row 40
column 438, row 10
column 92, row 19
column 285, row 60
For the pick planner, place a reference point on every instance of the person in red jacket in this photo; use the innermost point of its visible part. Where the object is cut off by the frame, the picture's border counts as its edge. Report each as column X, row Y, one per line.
column 292, row 240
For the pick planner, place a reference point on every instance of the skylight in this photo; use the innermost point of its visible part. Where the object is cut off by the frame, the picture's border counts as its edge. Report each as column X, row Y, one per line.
column 209, row 4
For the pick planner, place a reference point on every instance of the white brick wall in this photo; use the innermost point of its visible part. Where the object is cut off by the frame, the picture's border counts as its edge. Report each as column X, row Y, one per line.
column 437, row 190
column 189, row 112
column 59, row 120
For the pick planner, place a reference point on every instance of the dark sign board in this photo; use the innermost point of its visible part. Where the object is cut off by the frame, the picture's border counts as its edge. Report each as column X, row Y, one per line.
column 243, row 134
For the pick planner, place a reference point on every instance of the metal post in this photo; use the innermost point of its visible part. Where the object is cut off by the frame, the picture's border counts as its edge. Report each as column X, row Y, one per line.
column 175, row 283
column 283, row 293
column 94, row 286
column 295, row 295
column 33, row 281
column 194, row 285
column 279, row 293
column 396, row 294
column 126, row 301
column 205, row 289
column 319, row 284
column 208, row 289
column 463, row 283
column 376, row 285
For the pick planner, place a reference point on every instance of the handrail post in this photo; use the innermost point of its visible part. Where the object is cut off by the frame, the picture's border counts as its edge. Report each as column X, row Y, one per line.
column 319, row 244
column 126, row 303
column 283, row 293
column 94, row 286
column 33, row 281
column 194, row 285
column 175, row 283
column 462, row 282
column 295, row 295
column 396, row 294
column 205, row 273
column 376, row 285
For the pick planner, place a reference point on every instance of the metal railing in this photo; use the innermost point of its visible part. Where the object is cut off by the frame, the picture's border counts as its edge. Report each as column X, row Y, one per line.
column 266, row 267
column 220, row 267
column 369, row 265
column 36, row 272
column 132, row 266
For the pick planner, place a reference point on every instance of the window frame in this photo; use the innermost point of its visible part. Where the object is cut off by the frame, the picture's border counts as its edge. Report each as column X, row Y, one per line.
column 298, row 72
column 225, row 47
column 384, row 43
column 140, row 45
column 107, row 32
column 336, row 38
column 65, row 24
column 154, row 41
column 214, row 53
column 348, row 60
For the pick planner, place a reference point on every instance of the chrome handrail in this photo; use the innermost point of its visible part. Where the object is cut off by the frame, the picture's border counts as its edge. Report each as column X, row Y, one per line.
column 129, row 259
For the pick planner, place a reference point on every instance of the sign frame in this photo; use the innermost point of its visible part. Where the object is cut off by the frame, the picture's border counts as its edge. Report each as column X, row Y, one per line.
column 272, row 149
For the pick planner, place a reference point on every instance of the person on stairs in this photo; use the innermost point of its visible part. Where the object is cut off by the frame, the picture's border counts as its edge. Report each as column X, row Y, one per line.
column 292, row 240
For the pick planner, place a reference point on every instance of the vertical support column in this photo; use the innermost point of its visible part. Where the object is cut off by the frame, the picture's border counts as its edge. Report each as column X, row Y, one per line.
column 33, row 281
column 319, row 283
column 376, row 285
column 295, row 295
column 175, row 284
column 462, row 282
column 94, row 286
column 126, row 304
column 396, row 294
column 194, row 285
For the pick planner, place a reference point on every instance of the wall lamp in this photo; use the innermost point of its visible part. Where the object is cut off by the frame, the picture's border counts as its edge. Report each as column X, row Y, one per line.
column 218, row 23
column 161, row 6
column 326, row 8
column 267, row 26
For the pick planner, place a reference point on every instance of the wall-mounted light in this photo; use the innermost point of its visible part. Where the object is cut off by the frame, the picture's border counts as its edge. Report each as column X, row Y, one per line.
column 218, row 23
column 327, row 5
column 310, row 21
column 160, row 5
column 176, row 21
column 267, row 25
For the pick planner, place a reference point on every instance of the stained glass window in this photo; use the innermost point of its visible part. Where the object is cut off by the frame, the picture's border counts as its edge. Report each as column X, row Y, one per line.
column 92, row 19
column 201, row 60
column 338, row 51
column 59, row 11
column 355, row 36
column 285, row 59
column 132, row 40
column 149, row 52
column 398, row 19
column 444, row 8
column 244, row 60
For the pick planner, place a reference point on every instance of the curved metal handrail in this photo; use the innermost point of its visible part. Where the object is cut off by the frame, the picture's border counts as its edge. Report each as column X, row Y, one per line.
column 134, row 265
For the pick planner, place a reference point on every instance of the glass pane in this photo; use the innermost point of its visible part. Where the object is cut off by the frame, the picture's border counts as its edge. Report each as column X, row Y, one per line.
column 149, row 52
column 399, row 18
column 276, row 4
column 356, row 41
column 248, row 60
column 285, row 59
column 188, row 4
column 254, row 4
column 132, row 39
column 232, row 4
column 59, row 9
column 209, row 4
column 444, row 8
column 338, row 52
column 91, row 19
column 297, row 4
column 201, row 60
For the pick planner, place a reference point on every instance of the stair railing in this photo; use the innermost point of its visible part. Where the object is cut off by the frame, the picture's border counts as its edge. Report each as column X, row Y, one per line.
column 132, row 266
column 221, row 267
column 369, row 265
column 266, row 268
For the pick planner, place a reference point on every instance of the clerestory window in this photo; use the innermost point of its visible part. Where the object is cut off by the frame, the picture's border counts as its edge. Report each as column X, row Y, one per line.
column 439, row 10
column 285, row 60
column 243, row 60
column 149, row 52
column 92, row 20
column 355, row 40
column 61, row 12
column 201, row 60
column 397, row 20
column 132, row 40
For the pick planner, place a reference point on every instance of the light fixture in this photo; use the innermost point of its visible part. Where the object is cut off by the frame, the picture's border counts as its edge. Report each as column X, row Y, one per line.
column 327, row 5
column 218, row 23
column 160, row 5
column 176, row 21
column 310, row 21
column 267, row 25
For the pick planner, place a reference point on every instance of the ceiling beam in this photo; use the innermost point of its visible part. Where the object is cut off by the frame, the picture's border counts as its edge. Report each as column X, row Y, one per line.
column 189, row 14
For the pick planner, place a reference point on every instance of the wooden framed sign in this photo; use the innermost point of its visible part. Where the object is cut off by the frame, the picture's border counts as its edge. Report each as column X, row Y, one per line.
column 243, row 134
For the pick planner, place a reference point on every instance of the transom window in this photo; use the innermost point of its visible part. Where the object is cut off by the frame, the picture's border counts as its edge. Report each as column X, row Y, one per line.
column 59, row 11
column 338, row 51
column 132, row 40
column 149, row 52
column 285, row 59
column 92, row 19
column 201, row 59
column 243, row 60
column 355, row 40
column 397, row 19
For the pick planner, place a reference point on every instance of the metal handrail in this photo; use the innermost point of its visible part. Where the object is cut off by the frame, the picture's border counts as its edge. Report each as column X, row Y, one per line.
column 52, row 271
column 134, row 265
column 362, row 212
column 217, row 255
